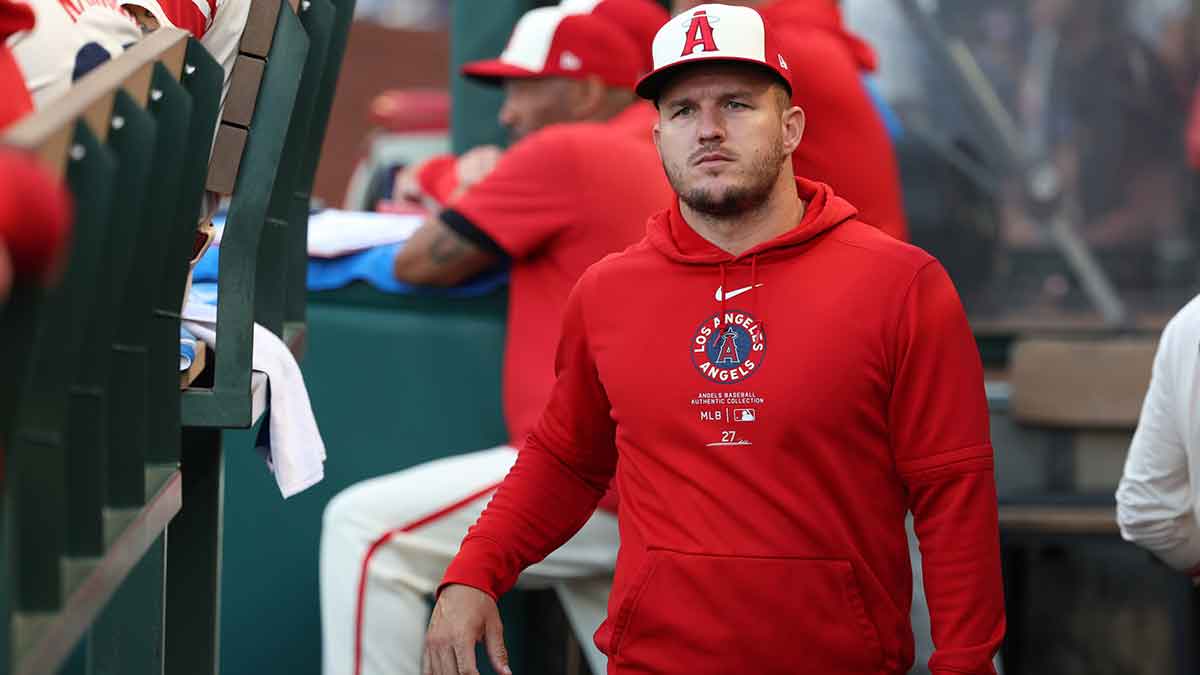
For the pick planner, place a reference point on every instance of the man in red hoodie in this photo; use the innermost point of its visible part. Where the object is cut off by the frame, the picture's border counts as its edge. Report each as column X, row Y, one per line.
column 846, row 143
column 578, row 183
column 766, row 439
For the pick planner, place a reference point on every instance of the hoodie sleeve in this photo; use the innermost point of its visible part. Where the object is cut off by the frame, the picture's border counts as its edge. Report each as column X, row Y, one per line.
column 940, row 438
column 562, row 471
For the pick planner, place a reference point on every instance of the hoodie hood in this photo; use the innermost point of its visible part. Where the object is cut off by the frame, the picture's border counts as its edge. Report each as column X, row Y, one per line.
column 789, row 15
column 671, row 236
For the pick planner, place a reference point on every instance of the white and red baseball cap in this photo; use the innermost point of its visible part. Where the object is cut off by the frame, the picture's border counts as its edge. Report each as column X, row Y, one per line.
column 548, row 42
column 713, row 32
column 640, row 19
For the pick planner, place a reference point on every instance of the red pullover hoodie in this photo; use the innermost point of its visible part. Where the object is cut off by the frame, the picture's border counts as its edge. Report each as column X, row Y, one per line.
column 846, row 144
column 769, row 418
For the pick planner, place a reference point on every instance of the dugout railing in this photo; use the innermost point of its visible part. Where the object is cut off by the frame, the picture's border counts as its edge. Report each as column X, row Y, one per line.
column 110, row 531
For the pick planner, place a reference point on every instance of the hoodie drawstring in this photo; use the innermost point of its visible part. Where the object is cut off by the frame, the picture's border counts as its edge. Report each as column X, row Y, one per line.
column 753, row 299
column 724, row 294
column 754, row 284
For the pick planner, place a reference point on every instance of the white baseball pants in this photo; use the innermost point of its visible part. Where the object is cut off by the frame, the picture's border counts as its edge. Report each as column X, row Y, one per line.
column 403, row 529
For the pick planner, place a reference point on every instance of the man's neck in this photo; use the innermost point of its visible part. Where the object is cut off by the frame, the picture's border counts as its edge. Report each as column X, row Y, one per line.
column 736, row 234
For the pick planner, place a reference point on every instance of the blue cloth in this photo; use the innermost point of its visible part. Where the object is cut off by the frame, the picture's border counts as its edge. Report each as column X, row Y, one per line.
column 891, row 120
column 187, row 349
column 373, row 266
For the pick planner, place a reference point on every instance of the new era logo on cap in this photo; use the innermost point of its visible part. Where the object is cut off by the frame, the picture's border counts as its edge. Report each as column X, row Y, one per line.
column 713, row 32
column 569, row 61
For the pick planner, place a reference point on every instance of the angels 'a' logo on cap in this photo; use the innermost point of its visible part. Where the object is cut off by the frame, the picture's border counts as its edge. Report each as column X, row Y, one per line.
column 782, row 63
column 699, row 34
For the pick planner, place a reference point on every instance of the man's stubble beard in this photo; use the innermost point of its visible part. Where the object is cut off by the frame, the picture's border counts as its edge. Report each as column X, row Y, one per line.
column 735, row 200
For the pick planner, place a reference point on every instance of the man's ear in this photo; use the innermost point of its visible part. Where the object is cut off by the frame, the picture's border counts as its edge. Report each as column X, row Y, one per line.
column 793, row 128
column 588, row 97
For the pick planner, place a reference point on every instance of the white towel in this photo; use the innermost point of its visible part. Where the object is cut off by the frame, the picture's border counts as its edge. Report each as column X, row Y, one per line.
column 295, row 452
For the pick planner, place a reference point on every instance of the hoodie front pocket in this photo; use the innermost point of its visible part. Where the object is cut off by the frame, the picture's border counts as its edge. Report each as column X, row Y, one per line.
column 688, row 613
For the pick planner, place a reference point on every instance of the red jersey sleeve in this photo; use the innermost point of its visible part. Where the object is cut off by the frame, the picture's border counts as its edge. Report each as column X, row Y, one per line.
column 438, row 177
column 529, row 197
column 16, row 102
column 940, row 438
column 562, row 471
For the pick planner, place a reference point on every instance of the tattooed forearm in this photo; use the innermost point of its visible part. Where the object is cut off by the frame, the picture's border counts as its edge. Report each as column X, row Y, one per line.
column 446, row 248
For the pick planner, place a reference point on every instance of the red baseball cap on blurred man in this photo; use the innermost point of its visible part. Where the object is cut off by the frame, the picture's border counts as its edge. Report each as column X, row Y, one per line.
column 639, row 19
column 548, row 42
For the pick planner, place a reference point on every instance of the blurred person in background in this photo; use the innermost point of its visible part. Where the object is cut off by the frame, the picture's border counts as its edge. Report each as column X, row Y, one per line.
column 1108, row 157
column 579, row 182
column 69, row 40
column 35, row 209
column 217, row 24
column 846, row 142
column 436, row 180
column 1193, row 132
column 35, row 220
column 15, row 101
column 899, row 75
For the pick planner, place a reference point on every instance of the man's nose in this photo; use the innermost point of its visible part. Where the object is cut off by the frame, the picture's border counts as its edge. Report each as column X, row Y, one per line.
column 507, row 116
column 711, row 126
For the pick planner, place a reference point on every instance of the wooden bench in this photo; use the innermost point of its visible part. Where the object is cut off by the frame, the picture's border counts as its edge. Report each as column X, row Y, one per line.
column 1069, row 390
column 1064, row 386
column 246, row 162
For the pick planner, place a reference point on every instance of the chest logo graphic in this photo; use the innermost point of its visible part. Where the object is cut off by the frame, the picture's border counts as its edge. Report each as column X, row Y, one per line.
column 728, row 348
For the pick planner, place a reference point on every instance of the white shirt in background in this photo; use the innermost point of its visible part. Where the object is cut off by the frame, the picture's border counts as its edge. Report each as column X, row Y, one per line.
column 1157, row 497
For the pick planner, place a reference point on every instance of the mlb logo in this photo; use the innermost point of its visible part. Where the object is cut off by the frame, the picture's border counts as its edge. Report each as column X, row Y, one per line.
column 743, row 414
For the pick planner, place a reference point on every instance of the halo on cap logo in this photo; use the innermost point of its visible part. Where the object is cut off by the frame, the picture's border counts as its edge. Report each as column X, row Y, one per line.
column 686, row 20
column 728, row 348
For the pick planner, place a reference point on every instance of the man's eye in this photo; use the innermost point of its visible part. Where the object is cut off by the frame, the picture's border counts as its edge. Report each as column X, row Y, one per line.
column 735, row 105
column 682, row 112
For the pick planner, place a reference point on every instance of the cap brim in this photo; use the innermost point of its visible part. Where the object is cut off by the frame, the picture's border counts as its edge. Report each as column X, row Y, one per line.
column 650, row 86
column 495, row 71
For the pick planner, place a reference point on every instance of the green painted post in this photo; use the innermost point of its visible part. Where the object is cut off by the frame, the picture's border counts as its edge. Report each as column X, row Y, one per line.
column 203, row 78
column 479, row 30
column 132, row 138
column 228, row 403
column 91, row 176
column 127, row 637
column 298, row 215
column 194, row 559
column 171, row 105
column 285, row 228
